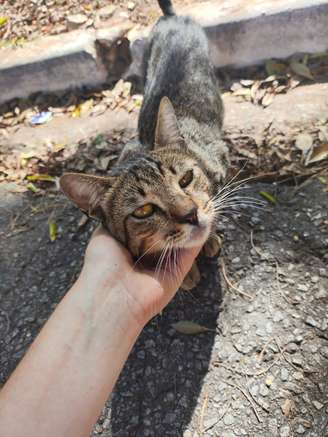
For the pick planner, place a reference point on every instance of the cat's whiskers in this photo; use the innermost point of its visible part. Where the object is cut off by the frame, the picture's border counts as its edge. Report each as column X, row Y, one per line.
column 145, row 253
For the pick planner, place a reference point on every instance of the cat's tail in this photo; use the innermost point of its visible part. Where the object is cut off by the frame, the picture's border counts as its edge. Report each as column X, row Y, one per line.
column 166, row 6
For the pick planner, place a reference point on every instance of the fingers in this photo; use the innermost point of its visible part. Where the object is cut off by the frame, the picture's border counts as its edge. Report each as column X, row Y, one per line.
column 172, row 280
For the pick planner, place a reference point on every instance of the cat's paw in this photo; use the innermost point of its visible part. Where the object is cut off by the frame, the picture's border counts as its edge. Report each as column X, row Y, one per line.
column 212, row 246
column 192, row 278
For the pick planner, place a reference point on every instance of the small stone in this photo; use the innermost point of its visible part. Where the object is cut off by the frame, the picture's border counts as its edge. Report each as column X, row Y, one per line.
column 284, row 374
column 106, row 11
column 297, row 359
column 131, row 6
column 235, row 260
column 298, row 376
column 324, row 325
column 269, row 380
column 292, row 348
column 278, row 316
column 302, row 287
column 324, row 351
column 264, row 391
column 314, row 279
column 300, row 429
column 284, row 431
column 318, row 405
column 76, row 21
column 311, row 322
column 209, row 423
column 228, row 419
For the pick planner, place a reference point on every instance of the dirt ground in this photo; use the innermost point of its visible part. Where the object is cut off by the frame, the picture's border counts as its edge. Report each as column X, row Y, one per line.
column 262, row 369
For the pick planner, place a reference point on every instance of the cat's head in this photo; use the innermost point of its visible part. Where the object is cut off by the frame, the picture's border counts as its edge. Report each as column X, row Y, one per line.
column 151, row 200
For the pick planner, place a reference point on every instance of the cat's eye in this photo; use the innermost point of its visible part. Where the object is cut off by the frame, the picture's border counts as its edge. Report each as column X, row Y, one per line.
column 186, row 179
column 144, row 211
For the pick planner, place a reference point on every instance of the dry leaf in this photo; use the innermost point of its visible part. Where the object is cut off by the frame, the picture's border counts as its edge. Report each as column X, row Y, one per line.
column 287, row 407
column 267, row 99
column 190, row 328
column 275, row 68
column 242, row 92
column 301, row 69
column 318, row 154
column 304, row 142
column 32, row 187
column 52, row 231
column 268, row 197
column 40, row 177
column 247, row 82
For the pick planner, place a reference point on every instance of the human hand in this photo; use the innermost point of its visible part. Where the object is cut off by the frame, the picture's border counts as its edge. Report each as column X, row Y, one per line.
column 147, row 292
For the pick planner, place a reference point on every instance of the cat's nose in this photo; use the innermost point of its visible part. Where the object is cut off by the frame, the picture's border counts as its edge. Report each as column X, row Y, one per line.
column 191, row 217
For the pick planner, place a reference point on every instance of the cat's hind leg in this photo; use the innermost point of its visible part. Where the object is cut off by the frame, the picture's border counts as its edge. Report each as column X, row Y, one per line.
column 212, row 246
column 192, row 278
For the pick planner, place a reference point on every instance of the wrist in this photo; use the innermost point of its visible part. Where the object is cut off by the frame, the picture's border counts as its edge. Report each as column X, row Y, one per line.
column 107, row 294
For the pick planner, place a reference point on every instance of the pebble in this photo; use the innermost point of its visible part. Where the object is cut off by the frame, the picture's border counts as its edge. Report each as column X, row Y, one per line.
column 284, row 374
column 228, row 419
column 300, row 429
column 284, row 431
column 318, row 405
column 292, row 348
column 209, row 423
column 311, row 322
column 297, row 359
column 302, row 287
column 298, row 376
column 324, row 351
column 264, row 391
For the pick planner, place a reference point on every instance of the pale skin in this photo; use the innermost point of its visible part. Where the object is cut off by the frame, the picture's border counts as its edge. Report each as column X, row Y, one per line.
column 64, row 380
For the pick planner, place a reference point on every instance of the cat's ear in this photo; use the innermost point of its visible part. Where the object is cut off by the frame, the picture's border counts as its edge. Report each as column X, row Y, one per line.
column 86, row 192
column 167, row 130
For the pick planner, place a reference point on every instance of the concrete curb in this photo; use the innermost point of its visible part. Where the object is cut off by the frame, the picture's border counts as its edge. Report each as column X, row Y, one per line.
column 57, row 63
column 241, row 33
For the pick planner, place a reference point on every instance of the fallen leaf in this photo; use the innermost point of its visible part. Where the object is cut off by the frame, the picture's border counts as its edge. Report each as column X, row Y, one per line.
column 76, row 111
column 304, row 143
column 242, row 92
column 287, row 407
column 275, row 68
column 40, row 177
column 301, row 69
column 32, row 187
column 3, row 20
column 268, row 197
column 267, row 99
column 318, row 154
column 190, row 328
column 52, row 231
column 247, row 82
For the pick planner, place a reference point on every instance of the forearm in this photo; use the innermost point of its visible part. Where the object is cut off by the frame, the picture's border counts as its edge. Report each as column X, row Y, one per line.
column 64, row 380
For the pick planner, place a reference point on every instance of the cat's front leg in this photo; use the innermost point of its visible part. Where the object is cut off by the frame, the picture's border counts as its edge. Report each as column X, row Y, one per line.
column 212, row 246
column 192, row 278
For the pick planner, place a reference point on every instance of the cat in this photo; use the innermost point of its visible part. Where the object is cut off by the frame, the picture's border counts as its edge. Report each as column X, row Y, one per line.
column 160, row 196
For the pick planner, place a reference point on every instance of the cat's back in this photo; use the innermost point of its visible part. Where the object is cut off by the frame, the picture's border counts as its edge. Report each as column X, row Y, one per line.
column 178, row 66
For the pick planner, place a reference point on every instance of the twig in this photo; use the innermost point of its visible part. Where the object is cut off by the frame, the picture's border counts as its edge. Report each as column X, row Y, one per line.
column 260, row 254
column 265, row 347
column 202, row 413
column 248, row 397
column 245, row 372
column 284, row 356
column 220, row 418
column 279, row 287
column 233, row 287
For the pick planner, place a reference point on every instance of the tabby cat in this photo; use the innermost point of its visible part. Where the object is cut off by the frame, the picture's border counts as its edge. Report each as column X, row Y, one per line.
column 161, row 194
